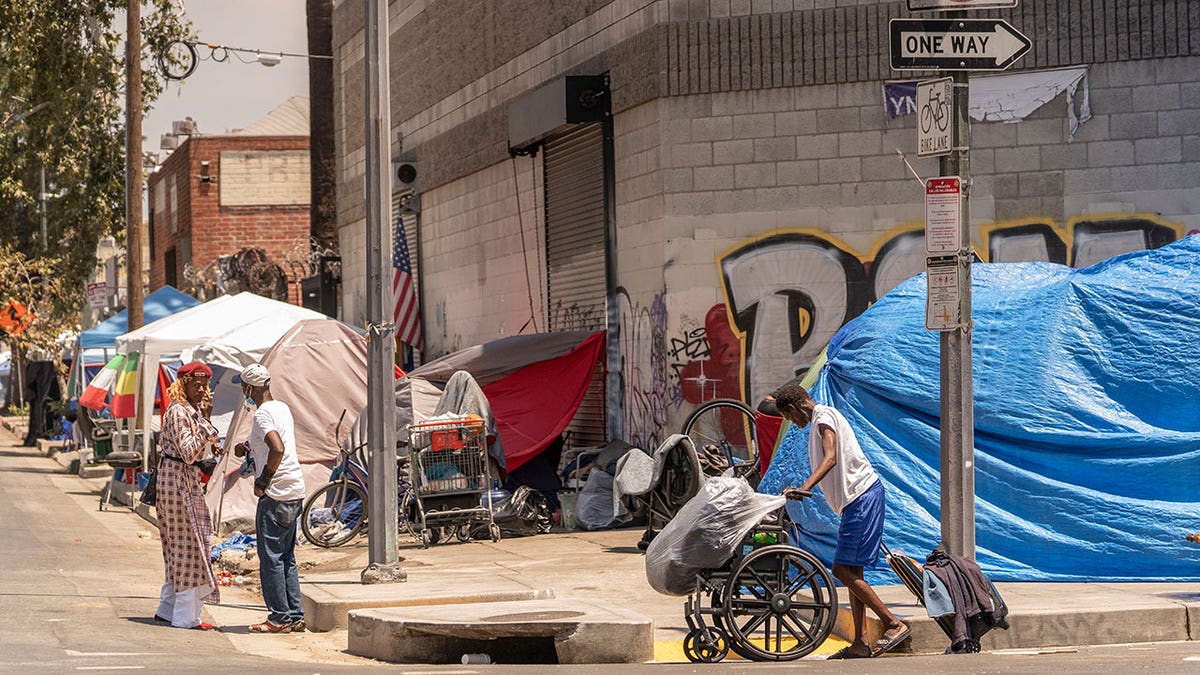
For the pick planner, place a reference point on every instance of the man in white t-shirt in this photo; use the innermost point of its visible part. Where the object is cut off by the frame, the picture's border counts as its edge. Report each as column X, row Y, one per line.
column 855, row 493
column 279, row 486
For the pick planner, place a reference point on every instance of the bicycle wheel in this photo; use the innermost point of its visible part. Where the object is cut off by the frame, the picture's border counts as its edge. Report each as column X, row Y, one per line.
column 334, row 514
column 724, row 435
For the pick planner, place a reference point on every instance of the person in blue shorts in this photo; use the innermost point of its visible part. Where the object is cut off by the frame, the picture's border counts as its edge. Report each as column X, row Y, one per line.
column 855, row 492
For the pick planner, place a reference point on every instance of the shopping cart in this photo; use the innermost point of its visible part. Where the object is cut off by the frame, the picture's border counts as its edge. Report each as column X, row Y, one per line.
column 450, row 476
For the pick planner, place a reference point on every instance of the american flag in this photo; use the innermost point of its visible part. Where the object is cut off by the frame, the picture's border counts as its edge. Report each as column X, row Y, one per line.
column 406, row 315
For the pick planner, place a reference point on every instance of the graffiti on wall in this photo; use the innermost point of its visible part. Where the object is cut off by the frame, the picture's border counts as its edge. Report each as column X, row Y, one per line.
column 649, row 393
column 788, row 292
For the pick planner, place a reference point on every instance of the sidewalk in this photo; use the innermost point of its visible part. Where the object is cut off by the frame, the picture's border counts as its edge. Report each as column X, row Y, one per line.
column 607, row 567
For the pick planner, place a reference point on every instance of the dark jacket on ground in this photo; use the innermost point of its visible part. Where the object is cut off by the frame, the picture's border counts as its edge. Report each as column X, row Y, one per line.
column 976, row 607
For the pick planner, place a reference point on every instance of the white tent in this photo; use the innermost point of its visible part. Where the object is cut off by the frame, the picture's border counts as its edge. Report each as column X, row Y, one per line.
column 241, row 327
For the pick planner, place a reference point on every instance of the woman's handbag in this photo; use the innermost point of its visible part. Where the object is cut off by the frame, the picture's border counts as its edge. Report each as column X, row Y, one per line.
column 150, row 494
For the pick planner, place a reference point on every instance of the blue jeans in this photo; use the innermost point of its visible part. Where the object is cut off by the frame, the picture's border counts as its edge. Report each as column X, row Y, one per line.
column 276, row 540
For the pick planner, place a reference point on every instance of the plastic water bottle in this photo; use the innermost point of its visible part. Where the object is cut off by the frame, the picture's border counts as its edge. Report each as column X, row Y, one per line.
column 496, row 496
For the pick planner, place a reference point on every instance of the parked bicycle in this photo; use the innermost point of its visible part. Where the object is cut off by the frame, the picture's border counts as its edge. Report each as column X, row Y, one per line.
column 337, row 511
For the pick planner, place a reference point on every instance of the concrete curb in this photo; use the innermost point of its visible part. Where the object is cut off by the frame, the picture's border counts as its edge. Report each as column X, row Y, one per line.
column 539, row 631
column 328, row 603
column 1084, row 614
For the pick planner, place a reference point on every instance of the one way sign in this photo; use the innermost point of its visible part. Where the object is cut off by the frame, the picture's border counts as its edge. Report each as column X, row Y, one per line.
column 955, row 44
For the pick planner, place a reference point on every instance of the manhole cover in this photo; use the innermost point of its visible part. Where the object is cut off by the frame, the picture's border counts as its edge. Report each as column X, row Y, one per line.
column 531, row 616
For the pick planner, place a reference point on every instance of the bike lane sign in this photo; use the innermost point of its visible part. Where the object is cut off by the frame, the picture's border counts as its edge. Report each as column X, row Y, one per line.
column 935, row 128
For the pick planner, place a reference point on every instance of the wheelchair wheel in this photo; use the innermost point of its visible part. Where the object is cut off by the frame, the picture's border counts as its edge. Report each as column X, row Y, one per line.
column 722, row 429
column 334, row 514
column 706, row 645
column 779, row 604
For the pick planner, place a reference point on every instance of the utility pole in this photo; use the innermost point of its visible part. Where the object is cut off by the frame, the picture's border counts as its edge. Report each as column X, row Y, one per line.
column 42, row 205
column 133, row 164
column 384, row 566
column 957, row 376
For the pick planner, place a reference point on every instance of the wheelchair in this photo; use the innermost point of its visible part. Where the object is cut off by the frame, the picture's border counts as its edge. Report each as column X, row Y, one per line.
column 771, row 601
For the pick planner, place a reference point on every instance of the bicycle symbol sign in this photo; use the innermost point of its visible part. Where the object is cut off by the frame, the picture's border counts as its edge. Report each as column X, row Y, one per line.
column 935, row 132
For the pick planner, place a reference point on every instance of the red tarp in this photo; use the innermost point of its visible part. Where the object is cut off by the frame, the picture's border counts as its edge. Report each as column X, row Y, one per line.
column 534, row 404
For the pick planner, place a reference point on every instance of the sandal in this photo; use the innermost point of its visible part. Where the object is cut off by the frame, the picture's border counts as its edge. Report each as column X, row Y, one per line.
column 160, row 619
column 845, row 653
column 299, row 626
column 888, row 643
column 204, row 626
column 269, row 627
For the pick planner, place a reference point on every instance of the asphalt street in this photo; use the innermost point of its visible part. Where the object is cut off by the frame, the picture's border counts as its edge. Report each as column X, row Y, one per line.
column 78, row 587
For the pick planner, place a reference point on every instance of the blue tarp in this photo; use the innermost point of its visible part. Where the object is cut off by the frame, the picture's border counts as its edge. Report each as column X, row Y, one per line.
column 1087, row 418
column 162, row 302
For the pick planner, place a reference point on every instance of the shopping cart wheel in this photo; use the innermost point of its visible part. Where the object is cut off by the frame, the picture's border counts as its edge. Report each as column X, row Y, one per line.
column 463, row 533
column 706, row 645
column 494, row 530
column 429, row 537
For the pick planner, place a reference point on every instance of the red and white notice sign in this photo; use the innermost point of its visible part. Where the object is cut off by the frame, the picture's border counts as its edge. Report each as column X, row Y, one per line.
column 943, row 209
column 97, row 295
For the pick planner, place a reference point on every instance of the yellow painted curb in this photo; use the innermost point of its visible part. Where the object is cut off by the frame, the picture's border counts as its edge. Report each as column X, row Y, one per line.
column 671, row 651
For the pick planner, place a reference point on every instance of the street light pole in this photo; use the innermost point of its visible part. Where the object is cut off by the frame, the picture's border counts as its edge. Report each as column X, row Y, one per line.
column 957, row 405
column 133, row 164
column 384, row 563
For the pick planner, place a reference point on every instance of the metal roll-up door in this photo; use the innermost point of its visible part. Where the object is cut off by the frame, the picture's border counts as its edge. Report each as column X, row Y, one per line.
column 576, row 260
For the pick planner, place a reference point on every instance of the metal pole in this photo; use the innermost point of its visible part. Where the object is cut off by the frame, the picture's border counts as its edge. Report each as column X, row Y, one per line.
column 133, row 164
column 384, row 564
column 42, row 205
column 958, row 391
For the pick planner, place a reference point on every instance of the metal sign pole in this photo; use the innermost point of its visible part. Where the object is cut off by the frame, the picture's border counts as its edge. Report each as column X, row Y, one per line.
column 381, row 348
column 957, row 387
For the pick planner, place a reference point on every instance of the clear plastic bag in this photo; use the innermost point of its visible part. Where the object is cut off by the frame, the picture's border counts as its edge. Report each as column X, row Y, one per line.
column 705, row 533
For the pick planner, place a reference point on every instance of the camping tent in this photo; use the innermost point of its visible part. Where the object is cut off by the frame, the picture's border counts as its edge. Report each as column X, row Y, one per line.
column 1087, row 418
column 319, row 368
column 161, row 303
column 534, row 384
column 96, row 345
column 185, row 331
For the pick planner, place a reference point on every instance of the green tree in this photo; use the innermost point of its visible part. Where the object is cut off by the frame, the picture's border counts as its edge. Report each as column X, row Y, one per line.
column 62, row 111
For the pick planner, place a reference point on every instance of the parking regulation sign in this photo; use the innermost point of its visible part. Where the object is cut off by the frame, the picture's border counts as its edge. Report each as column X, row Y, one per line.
column 943, row 299
column 943, row 211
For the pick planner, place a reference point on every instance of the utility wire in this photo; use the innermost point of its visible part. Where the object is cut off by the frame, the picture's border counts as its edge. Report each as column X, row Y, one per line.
column 244, row 50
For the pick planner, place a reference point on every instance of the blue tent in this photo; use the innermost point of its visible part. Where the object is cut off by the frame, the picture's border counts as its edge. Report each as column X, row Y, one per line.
column 163, row 302
column 1087, row 419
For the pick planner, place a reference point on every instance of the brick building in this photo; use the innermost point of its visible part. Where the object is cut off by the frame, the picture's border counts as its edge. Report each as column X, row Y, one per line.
column 741, row 197
column 219, row 194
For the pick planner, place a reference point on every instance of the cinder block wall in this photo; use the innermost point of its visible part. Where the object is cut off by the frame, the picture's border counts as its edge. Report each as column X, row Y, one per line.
column 758, row 126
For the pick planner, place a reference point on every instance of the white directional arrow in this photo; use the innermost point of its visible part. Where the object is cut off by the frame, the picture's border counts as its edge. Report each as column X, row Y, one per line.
column 969, row 44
